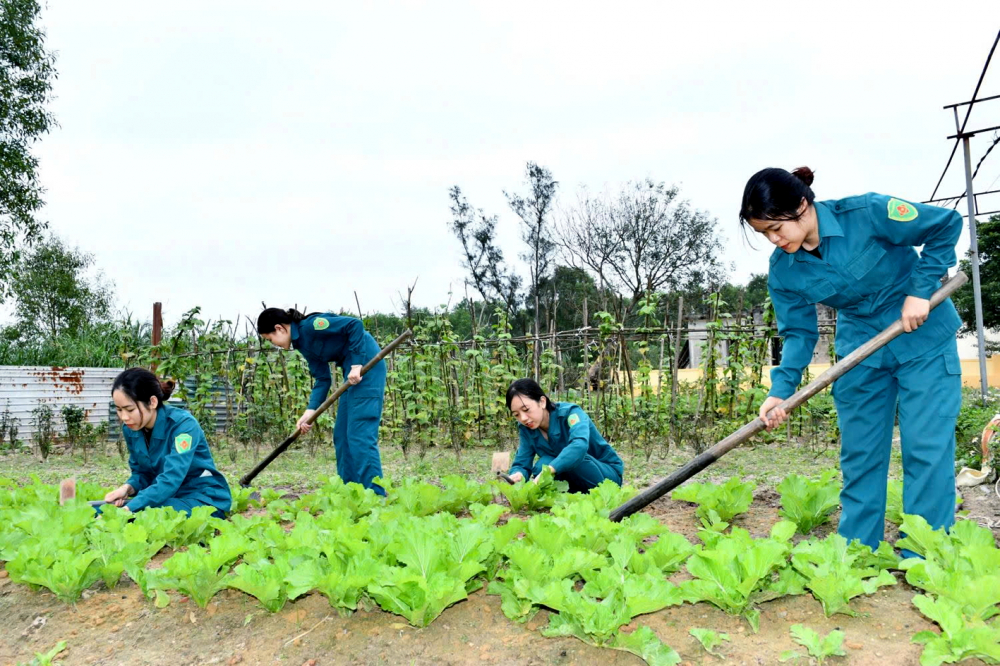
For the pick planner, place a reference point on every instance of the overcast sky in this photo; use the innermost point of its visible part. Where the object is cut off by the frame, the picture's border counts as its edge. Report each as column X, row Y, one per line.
column 224, row 153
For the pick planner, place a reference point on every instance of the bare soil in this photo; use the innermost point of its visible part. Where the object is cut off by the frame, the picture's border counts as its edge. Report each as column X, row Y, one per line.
column 121, row 627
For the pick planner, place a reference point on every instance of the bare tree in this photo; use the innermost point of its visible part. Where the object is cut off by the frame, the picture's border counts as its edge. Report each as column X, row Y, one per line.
column 643, row 240
column 586, row 240
column 640, row 241
column 534, row 211
column 483, row 259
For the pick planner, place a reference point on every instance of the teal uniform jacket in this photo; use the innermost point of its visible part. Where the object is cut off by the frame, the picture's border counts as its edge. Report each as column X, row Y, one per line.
column 866, row 269
column 177, row 464
column 328, row 338
column 574, row 448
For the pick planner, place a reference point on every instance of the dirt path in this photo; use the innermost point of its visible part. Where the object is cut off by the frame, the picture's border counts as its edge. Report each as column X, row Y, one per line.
column 120, row 627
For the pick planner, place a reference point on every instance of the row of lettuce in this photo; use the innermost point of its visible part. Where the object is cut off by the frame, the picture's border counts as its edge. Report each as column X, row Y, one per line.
column 413, row 555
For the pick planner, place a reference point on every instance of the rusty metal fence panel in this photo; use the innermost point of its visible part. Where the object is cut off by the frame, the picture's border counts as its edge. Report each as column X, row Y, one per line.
column 23, row 388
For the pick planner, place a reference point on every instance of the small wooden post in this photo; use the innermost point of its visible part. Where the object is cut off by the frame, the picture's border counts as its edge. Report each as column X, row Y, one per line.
column 157, row 330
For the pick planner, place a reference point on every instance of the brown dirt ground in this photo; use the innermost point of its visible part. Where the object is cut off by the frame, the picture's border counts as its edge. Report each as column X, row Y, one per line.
column 120, row 627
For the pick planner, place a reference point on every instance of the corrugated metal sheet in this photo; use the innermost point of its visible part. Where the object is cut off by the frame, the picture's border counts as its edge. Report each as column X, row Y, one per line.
column 23, row 388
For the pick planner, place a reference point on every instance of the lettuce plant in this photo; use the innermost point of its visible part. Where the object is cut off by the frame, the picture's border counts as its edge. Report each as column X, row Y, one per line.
column 533, row 495
column 819, row 647
column 264, row 579
column 709, row 639
column 67, row 573
column 729, row 499
column 836, row 572
column 809, row 502
column 959, row 639
column 194, row 572
column 736, row 571
column 342, row 583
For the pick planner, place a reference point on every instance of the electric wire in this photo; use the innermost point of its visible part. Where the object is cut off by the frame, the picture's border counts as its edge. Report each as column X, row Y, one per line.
column 968, row 112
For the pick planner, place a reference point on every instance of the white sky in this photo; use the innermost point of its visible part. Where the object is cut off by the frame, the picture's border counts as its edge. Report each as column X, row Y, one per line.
column 224, row 153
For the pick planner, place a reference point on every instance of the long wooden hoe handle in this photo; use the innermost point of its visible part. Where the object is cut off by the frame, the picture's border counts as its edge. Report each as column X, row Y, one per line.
column 703, row 460
column 249, row 476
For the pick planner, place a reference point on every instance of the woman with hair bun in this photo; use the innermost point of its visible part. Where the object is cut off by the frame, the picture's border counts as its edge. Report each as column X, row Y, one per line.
column 562, row 437
column 857, row 255
column 324, row 338
column 167, row 451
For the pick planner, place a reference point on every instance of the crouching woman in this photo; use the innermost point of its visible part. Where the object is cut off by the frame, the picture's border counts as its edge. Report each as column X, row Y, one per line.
column 168, row 454
column 560, row 436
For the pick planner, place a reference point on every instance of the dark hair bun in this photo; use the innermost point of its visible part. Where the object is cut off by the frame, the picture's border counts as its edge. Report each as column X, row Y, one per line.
column 167, row 387
column 805, row 174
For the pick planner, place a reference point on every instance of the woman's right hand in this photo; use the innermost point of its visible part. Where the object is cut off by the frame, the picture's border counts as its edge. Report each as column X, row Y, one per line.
column 780, row 415
column 119, row 495
column 517, row 476
column 301, row 424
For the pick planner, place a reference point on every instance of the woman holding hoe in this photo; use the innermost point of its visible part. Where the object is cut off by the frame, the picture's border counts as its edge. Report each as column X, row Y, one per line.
column 857, row 255
column 327, row 338
column 167, row 451
column 562, row 437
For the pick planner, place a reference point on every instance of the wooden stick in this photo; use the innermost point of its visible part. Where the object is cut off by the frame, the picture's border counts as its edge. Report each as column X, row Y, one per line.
column 249, row 476
column 708, row 457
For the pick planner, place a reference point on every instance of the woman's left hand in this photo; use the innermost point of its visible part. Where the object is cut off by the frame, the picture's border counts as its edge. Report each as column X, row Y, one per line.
column 915, row 311
column 354, row 376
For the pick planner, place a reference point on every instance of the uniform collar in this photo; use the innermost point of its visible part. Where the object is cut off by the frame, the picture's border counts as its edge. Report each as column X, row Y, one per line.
column 828, row 226
column 827, row 220
column 294, row 330
column 555, row 423
column 160, row 427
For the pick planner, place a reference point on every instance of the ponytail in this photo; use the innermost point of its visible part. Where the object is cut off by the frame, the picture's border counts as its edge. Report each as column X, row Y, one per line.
column 167, row 388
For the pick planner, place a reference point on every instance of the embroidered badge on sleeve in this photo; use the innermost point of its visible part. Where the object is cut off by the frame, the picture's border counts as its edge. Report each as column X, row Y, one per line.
column 902, row 211
column 182, row 443
column 573, row 420
column 320, row 324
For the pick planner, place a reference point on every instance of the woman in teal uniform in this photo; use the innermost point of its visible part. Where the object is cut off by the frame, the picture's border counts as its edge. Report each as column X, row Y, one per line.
column 857, row 255
column 327, row 338
column 167, row 452
column 562, row 437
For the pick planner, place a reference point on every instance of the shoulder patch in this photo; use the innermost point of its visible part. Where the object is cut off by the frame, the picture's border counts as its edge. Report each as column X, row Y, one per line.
column 902, row 211
column 182, row 443
column 319, row 323
column 573, row 420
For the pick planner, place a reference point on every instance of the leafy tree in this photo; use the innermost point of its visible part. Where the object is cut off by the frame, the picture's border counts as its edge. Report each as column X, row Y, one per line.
column 756, row 291
column 26, row 75
column 989, row 278
column 52, row 293
column 534, row 211
column 561, row 297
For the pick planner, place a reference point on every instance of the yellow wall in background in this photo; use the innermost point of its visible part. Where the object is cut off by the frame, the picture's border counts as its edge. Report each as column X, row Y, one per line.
column 970, row 372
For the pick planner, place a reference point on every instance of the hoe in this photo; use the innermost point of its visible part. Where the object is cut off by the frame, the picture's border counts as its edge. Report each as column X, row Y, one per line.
column 700, row 462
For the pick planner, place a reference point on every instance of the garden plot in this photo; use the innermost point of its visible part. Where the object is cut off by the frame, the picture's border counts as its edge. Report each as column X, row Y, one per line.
column 450, row 574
